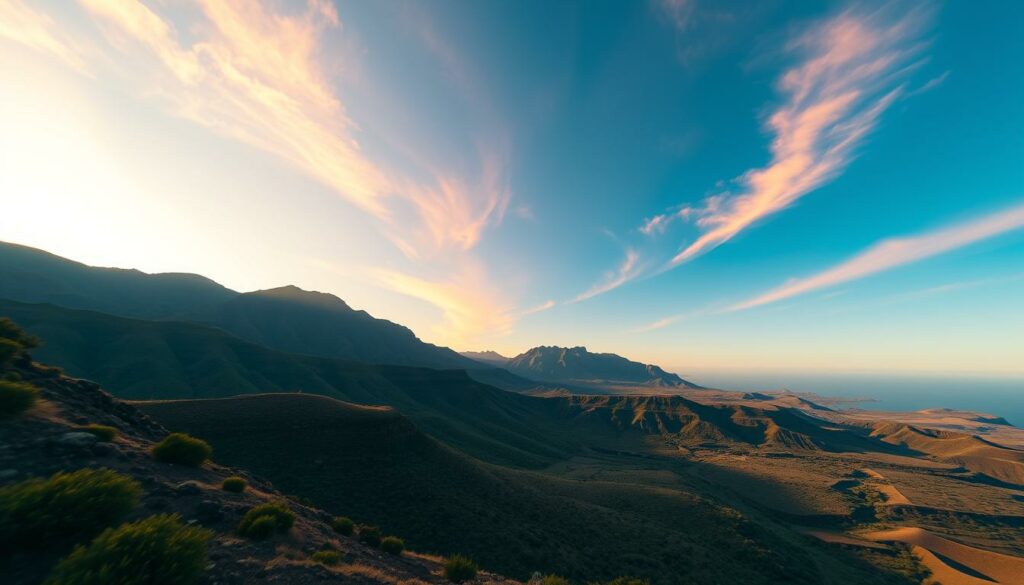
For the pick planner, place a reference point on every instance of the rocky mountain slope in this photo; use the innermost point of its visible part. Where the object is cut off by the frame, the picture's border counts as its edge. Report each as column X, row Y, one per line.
column 287, row 318
column 576, row 366
column 48, row 439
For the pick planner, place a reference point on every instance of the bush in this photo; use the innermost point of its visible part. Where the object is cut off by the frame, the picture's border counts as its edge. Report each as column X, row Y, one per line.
column 326, row 557
column 16, row 397
column 234, row 484
column 158, row 550
column 265, row 519
column 554, row 580
column 459, row 568
column 628, row 581
column 343, row 525
column 65, row 506
column 103, row 432
column 182, row 449
column 392, row 545
column 13, row 340
column 369, row 535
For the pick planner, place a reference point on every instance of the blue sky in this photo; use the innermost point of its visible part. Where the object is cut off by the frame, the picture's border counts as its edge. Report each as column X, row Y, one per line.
column 813, row 186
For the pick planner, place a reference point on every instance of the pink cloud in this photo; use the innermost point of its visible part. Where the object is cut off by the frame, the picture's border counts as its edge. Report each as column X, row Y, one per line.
column 891, row 253
column 850, row 74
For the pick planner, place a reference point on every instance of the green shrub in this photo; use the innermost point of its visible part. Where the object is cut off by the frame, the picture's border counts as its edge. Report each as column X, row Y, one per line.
column 369, row 535
column 343, row 525
column 158, row 550
column 326, row 557
column 459, row 568
column 65, row 506
column 265, row 519
column 554, row 580
column 16, row 397
column 182, row 449
column 392, row 545
column 103, row 432
column 234, row 484
column 13, row 340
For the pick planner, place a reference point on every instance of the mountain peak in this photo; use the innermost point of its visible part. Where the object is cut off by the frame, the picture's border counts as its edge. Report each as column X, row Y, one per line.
column 577, row 365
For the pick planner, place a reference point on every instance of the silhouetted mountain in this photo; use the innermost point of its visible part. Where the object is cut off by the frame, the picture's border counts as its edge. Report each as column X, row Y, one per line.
column 288, row 318
column 577, row 366
column 487, row 357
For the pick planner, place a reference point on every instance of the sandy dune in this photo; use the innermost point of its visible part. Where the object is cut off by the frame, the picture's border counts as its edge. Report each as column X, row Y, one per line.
column 845, row 539
column 996, row 567
column 893, row 496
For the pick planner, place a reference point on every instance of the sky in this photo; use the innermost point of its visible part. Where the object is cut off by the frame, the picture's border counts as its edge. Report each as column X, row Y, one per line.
column 769, row 185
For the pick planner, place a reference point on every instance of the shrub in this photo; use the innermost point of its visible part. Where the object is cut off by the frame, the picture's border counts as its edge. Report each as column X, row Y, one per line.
column 628, row 581
column 554, row 580
column 158, row 550
column 343, row 525
column 67, row 505
column 103, row 432
column 13, row 340
column 182, row 449
column 326, row 557
column 392, row 545
column 265, row 519
column 369, row 535
column 459, row 568
column 234, row 484
column 16, row 397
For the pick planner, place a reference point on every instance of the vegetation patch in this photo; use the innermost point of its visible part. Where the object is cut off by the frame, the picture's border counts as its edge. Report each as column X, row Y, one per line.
column 65, row 506
column 13, row 341
column 16, row 397
column 234, row 484
column 343, row 525
column 266, row 519
column 326, row 557
column 158, row 550
column 102, row 432
column 392, row 545
column 182, row 449
column 459, row 569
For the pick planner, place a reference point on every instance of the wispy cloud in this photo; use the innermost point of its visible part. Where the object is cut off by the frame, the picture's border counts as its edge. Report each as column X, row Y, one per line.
column 471, row 310
column 659, row 223
column 895, row 252
column 23, row 25
column 850, row 73
column 255, row 74
column 548, row 304
column 612, row 280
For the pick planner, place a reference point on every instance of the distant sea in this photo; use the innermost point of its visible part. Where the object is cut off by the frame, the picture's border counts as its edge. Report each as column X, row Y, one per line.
column 996, row 396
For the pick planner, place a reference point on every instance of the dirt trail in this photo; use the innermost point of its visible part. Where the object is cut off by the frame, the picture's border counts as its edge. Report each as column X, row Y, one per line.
column 998, row 568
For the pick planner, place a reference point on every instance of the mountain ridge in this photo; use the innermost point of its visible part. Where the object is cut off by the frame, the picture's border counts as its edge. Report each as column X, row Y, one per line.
column 286, row 318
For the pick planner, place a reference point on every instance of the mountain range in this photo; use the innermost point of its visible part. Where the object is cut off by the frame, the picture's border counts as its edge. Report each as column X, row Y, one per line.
column 558, row 460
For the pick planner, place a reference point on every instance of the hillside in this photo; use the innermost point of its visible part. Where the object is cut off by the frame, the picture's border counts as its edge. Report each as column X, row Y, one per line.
column 48, row 439
column 969, row 451
column 606, row 372
column 377, row 462
column 287, row 318
column 161, row 359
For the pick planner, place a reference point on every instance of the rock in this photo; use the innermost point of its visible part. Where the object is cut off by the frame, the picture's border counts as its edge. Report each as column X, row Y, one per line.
column 208, row 511
column 188, row 488
column 77, row 440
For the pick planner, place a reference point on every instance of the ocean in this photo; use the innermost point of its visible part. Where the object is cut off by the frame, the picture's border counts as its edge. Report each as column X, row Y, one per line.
column 991, row 395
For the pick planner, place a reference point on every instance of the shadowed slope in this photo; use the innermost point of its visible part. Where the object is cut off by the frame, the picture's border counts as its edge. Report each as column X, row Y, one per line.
column 375, row 465
column 287, row 318
column 968, row 451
